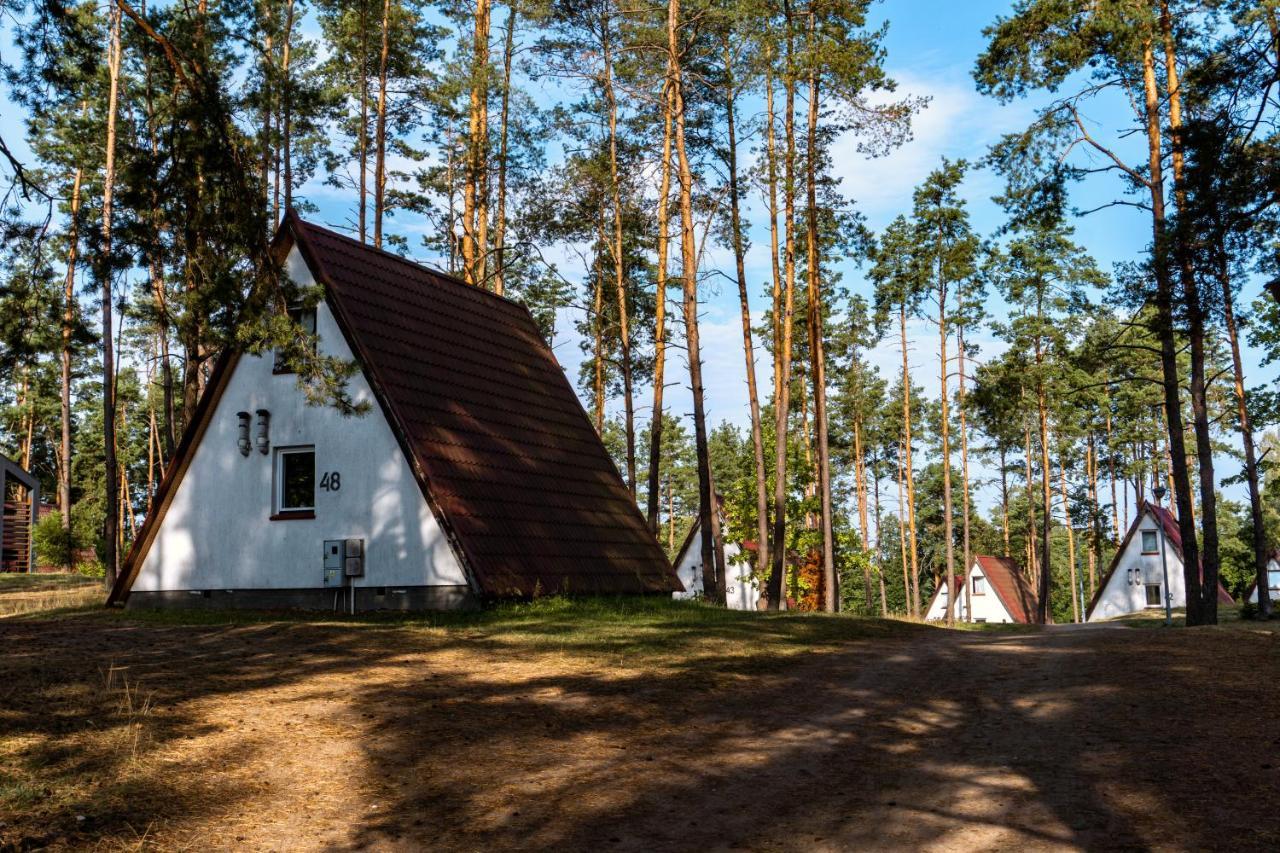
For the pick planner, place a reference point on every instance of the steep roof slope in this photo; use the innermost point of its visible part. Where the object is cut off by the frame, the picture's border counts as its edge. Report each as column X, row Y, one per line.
column 1174, row 537
column 501, row 446
column 1007, row 580
column 510, row 458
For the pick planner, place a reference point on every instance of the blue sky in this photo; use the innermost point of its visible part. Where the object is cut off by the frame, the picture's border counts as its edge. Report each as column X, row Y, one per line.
column 931, row 48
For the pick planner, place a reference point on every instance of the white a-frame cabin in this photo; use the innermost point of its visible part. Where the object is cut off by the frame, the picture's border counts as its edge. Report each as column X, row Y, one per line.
column 1135, row 581
column 742, row 592
column 1000, row 594
column 475, row 474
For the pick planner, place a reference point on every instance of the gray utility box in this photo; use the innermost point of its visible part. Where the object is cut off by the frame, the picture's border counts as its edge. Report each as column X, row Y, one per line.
column 343, row 558
column 353, row 553
column 333, row 557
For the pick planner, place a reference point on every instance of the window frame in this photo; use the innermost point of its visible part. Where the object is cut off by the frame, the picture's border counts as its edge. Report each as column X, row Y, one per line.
column 296, row 313
column 1155, row 536
column 1147, row 587
column 978, row 583
column 278, row 509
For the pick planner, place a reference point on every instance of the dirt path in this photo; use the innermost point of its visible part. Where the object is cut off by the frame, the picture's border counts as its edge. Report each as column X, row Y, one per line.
column 297, row 736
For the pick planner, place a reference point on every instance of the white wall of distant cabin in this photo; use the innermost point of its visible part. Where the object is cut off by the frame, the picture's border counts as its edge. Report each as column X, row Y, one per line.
column 986, row 606
column 1273, row 583
column 218, row 532
column 741, row 590
column 1125, row 591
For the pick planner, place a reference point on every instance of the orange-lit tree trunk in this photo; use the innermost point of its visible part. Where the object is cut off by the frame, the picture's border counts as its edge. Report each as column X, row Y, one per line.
column 748, row 347
column 817, row 356
column 708, row 514
column 660, row 306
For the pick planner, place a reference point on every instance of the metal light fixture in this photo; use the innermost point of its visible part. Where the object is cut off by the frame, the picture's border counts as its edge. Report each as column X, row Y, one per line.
column 264, row 431
column 243, row 434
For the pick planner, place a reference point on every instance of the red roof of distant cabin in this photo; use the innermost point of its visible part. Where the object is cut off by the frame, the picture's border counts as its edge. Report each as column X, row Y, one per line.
column 1010, row 585
column 502, row 448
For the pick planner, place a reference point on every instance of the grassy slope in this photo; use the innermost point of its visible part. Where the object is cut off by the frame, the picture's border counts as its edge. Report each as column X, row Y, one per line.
column 39, row 593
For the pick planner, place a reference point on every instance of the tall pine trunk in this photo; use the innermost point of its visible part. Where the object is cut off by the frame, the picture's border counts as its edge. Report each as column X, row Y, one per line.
column 68, row 328
column 708, row 514
column 619, row 261
column 1194, row 307
column 500, row 219
column 380, row 131
column 782, row 349
column 660, row 305
column 1071, row 542
column 1163, row 300
column 748, row 347
column 914, row 596
column 477, row 133
column 1004, row 498
column 944, row 404
column 111, row 472
column 964, row 470
column 817, row 356
column 1259, row 533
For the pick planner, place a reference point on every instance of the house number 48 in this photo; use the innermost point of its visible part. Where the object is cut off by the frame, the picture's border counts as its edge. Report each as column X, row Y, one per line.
column 331, row 481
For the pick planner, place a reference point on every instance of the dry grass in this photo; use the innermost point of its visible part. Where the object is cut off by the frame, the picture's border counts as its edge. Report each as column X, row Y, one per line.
column 624, row 725
column 25, row 594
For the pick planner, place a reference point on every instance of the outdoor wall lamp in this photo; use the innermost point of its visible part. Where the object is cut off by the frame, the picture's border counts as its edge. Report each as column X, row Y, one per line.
column 243, row 440
column 264, row 431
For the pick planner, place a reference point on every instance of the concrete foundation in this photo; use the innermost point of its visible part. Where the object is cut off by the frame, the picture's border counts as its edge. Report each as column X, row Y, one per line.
column 367, row 598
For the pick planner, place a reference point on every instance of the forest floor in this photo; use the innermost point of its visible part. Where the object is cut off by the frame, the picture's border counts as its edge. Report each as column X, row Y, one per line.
column 630, row 726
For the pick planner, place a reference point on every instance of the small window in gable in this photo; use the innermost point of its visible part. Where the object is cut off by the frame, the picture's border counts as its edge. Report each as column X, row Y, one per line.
column 979, row 585
column 1149, row 543
column 305, row 318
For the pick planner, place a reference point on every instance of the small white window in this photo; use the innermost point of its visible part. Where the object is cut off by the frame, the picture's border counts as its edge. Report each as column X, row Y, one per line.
column 295, row 478
column 1153, row 595
column 1149, row 545
column 979, row 585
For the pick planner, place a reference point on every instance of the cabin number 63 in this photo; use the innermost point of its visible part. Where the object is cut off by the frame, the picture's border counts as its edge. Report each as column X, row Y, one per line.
column 331, row 481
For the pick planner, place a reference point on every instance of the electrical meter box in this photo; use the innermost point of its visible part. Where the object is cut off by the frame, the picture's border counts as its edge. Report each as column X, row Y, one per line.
column 353, row 553
column 333, row 557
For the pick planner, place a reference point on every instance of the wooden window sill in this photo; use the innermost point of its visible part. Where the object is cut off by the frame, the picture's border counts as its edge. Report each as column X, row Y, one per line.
column 294, row 515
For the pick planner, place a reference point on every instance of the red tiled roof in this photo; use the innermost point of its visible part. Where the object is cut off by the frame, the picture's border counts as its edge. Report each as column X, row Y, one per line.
column 511, row 461
column 1010, row 585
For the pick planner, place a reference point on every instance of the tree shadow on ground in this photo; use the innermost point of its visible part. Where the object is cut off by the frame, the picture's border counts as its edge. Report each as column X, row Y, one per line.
column 671, row 730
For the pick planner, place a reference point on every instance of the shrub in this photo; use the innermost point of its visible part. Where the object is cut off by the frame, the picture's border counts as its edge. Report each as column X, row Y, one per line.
column 1248, row 610
column 54, row 545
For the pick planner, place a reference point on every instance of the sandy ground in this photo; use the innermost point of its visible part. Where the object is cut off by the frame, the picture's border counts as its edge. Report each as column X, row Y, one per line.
column 289, row 736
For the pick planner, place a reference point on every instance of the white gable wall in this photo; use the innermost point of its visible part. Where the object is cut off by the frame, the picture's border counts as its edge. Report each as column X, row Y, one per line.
column 741, row 591
column 986, row 607
column 218, row 532
column 1273, row 583
column 1125, row 591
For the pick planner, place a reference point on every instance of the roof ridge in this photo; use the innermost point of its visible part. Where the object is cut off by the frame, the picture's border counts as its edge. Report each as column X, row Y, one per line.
column 365, row 247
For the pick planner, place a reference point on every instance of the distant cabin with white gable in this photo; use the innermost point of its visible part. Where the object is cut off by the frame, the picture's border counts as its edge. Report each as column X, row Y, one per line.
column 475, row 474
column 1135, row 580
column 1273, row 582
column 1000, row 594
column 742, row 592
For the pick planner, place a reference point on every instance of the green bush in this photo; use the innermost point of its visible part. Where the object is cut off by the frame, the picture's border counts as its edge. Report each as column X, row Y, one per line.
column 1248, row 610
column 91, row 568
column 54, row 545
